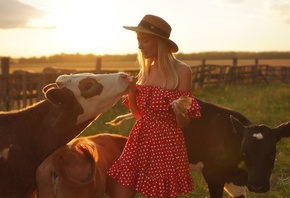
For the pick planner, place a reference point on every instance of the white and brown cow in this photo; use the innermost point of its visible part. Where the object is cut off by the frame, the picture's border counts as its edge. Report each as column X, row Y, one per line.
column 29, row 135
column 232, row 153
column 79, row 169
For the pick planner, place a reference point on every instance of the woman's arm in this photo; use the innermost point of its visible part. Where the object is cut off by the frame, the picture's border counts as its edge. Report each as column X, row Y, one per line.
column 184, row 73
column 132, row 99
column 185, row 80
column 182, row 118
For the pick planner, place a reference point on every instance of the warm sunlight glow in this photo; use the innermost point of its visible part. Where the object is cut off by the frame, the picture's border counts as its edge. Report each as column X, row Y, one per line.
column 82, row 27
column 43, row 28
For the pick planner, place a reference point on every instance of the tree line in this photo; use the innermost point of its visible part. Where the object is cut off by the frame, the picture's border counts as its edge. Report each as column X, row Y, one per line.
column 214, row 55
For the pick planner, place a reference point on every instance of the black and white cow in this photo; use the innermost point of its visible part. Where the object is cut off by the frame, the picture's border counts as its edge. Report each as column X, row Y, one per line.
column 231, row 152
column 29, row 135
column 220, row 139
column 258, row 147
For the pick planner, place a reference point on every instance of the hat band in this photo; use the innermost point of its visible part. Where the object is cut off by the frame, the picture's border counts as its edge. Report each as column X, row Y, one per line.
column 153, row 28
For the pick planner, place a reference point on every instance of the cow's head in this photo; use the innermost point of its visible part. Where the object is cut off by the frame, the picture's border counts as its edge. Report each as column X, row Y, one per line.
column 95, row 93
column 259, row 149
column 74, row 167
column 70, row 172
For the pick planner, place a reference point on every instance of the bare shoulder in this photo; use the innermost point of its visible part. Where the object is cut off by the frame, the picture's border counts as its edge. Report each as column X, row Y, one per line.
column 184, row 73
column 182, row 68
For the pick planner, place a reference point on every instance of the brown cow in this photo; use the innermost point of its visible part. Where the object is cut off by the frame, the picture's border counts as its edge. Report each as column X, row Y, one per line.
column 29, row 135
column 79, row 169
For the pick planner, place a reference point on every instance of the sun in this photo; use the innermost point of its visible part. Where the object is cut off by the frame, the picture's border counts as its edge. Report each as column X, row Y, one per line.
column 85, row 26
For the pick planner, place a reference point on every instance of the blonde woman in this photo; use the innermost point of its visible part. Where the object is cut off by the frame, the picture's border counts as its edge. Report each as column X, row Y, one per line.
column 154, row 162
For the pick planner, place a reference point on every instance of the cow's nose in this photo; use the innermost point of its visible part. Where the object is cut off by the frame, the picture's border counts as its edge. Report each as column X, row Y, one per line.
column 258, row 188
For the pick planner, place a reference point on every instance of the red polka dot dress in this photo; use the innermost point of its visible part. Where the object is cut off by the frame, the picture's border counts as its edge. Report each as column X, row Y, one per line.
column 154, row 160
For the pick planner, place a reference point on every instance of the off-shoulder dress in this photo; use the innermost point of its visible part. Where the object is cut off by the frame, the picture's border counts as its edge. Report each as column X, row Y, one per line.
column 154, row 160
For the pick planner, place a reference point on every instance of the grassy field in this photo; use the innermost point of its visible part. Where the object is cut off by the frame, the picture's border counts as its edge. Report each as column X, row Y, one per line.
column 267, row 104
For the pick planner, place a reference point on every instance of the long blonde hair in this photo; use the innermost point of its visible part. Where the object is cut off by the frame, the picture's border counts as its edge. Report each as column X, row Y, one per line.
column 166, row 64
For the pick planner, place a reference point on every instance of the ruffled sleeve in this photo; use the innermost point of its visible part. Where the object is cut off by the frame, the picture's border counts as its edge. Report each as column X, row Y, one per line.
column 126, row 101
column 194, row 110
column 157, row 98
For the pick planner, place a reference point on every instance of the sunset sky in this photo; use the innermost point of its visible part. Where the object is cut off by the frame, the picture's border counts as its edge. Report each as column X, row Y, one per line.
column 48, row 27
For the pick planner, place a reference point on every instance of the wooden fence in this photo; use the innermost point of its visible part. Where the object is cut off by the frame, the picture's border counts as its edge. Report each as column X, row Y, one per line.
column 19, row 90
column 224, row 75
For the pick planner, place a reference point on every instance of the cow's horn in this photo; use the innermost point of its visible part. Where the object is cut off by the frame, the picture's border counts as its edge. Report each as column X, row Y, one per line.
column 49, row 86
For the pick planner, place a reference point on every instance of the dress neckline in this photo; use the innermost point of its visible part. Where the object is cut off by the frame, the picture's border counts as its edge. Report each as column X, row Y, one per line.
column 162, row 88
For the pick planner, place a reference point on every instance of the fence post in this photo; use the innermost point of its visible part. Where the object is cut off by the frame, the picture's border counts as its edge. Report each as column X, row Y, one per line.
column 203, row 61
column 256, row 61
column 235, row 61
column 5, row 66
column 98, row 65
column 256, row 71
column 4, row 63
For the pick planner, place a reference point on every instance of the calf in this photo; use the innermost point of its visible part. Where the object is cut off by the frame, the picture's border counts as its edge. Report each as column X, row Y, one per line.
column 231, row 152
column 219, row 140
column 79, row 169
column 258, row 147
column 29, row 135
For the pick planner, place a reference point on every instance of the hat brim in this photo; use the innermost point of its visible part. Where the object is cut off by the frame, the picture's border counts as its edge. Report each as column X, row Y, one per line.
column 173, row 46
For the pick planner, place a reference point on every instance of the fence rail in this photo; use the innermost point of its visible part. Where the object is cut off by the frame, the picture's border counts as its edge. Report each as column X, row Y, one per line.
column 23, row 89
column 217, row 75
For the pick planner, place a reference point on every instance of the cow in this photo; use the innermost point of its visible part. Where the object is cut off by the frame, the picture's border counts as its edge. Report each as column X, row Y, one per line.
column 258, row 148
column 79, row 169
column 29, row 135
column 232, row 153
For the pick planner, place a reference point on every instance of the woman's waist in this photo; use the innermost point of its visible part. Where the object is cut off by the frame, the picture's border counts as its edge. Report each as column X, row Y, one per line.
column 158, row 115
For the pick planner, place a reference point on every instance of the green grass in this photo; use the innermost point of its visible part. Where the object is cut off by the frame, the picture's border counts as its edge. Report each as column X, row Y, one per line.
column 267, row 104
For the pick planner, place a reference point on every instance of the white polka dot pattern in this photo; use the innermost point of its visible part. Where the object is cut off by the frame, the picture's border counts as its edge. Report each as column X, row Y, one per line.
column 154, row 160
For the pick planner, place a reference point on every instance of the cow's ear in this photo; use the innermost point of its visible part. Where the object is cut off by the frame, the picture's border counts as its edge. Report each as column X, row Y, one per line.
column 238, row 127
column 56, row 96
column 282, row 130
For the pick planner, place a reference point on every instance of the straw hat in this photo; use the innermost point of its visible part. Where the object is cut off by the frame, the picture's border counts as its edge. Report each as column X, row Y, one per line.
column 155, row 25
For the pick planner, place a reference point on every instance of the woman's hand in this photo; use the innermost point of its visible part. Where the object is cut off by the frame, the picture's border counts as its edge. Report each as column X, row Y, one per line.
column 132, row 90
column 180, row 107
column 132, row 98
